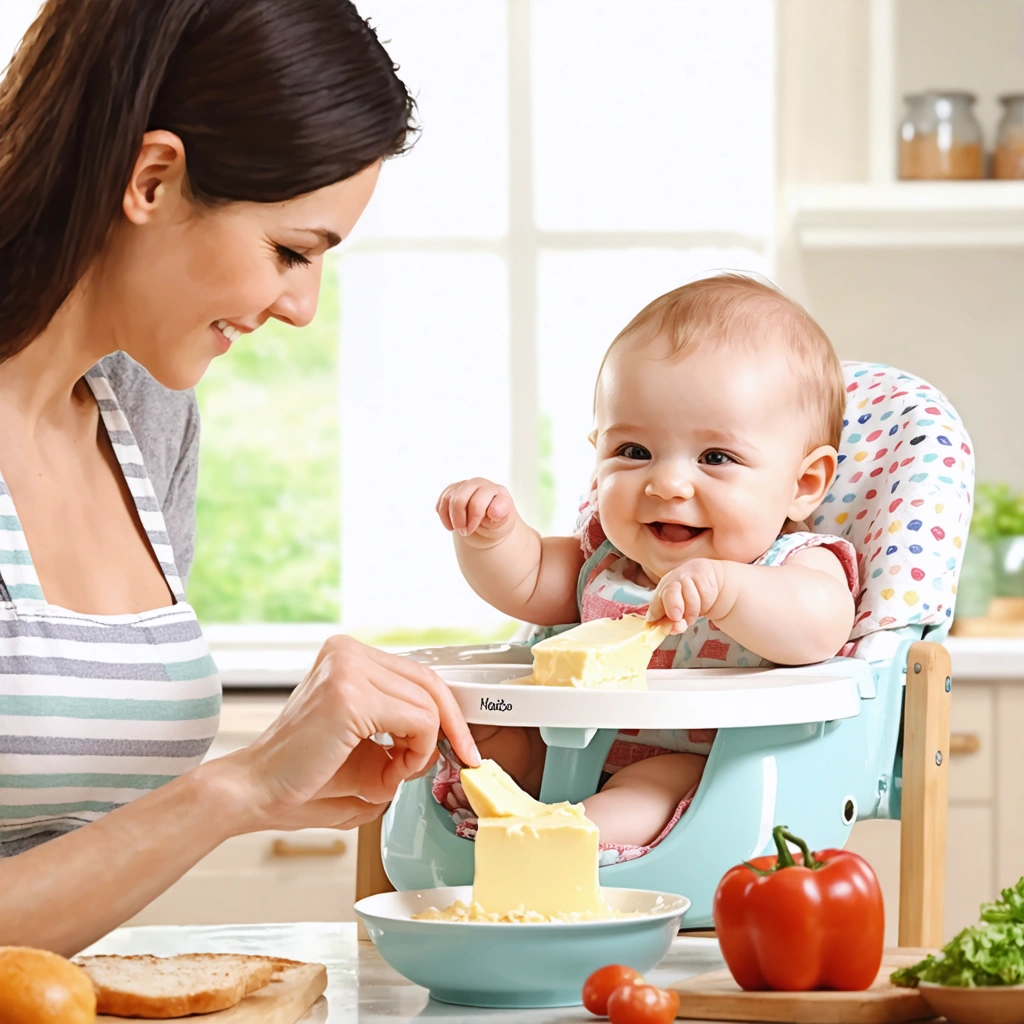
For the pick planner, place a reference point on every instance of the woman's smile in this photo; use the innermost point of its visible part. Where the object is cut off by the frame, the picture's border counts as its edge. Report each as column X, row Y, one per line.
column 226, row 333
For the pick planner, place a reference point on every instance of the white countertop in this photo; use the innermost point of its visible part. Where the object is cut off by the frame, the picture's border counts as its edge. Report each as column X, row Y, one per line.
column 360, row 985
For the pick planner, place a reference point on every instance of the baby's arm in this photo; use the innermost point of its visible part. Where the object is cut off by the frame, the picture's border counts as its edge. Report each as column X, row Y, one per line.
column 507, row 562
column 793, row 614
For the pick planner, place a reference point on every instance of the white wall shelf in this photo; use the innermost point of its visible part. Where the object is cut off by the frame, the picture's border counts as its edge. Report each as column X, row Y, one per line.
column 908, row 215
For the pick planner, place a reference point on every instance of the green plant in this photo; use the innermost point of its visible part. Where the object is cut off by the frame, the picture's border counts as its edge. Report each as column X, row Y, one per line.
column 998, row 512
column 989, row 953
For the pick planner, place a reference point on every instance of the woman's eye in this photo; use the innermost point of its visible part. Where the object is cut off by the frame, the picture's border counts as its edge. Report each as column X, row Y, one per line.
column 715, row 458
column 633, row 451
column 291, row 258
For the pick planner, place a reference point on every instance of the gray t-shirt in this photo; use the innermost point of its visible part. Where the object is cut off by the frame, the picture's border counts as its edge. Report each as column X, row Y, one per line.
column 166, row 427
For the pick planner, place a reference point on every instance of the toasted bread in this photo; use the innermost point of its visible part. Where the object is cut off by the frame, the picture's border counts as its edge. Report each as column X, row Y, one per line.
column 159, row 987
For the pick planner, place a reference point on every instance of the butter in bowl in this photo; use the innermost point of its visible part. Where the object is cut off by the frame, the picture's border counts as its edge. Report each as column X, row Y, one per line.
column 535, row 923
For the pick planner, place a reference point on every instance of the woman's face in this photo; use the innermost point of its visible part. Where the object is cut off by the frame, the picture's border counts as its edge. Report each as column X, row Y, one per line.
column 181, row 283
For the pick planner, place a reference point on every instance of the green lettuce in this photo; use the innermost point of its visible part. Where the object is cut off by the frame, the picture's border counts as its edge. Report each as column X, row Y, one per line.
column 989, row 953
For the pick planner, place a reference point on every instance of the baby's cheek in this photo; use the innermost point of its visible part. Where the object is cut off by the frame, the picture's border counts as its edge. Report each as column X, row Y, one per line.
column 617, row 509
column 750, row 530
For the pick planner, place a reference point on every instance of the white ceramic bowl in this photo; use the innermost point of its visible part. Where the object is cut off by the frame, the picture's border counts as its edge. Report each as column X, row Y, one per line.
column 516, row 965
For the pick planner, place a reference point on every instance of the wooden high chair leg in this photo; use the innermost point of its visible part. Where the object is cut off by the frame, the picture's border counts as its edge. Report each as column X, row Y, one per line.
column 925, row 795
column 370, row 876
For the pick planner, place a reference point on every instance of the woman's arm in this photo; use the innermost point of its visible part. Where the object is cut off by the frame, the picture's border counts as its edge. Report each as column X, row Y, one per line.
column 315, row 766
column 70, row 891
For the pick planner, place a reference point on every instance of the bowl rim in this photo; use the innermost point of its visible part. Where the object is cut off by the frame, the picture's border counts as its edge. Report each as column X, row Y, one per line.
column 932, row 985
column 683, row 904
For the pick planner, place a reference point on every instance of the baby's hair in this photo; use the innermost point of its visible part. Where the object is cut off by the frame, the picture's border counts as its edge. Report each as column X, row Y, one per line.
column 714, row 307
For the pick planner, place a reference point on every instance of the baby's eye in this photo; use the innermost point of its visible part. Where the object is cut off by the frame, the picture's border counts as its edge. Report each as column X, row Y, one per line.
column 715, row 458
column 633, row 451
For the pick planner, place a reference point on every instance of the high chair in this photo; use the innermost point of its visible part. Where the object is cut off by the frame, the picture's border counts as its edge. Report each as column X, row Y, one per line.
column 871, row 739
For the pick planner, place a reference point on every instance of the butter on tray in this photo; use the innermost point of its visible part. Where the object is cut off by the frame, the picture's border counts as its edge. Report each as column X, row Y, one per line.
column 602, row 654
column 533, row 861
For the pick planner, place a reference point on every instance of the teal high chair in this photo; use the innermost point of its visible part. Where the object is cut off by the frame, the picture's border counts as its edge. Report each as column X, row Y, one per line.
column 818, row 748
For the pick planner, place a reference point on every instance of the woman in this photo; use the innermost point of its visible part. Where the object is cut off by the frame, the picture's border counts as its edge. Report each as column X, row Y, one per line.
column 171, row 174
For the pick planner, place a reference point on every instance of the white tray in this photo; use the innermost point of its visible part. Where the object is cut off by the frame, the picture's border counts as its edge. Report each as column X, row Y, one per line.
column 674, row 699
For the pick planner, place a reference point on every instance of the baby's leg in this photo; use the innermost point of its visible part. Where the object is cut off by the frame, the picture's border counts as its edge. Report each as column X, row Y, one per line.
column 518, row 750
column 638, row 801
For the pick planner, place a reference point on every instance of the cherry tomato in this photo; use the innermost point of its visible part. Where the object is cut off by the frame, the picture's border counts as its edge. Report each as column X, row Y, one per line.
column 642, row 1004
column 603, row 982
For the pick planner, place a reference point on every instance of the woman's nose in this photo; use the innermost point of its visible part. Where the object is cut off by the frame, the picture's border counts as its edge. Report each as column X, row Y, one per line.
column 297, row 304
column 669, row 481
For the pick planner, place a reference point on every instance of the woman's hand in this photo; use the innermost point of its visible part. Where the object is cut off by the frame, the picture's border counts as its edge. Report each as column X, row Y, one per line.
column 316, row 765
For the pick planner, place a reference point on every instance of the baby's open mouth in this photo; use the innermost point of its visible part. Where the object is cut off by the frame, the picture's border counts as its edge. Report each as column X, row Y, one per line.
column 675, row 533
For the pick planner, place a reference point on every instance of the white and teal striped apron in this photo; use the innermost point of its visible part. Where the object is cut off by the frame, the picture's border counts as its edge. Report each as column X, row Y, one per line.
column 95, row 710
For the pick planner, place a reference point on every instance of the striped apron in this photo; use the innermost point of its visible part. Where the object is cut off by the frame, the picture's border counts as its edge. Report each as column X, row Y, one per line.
column 95, row 710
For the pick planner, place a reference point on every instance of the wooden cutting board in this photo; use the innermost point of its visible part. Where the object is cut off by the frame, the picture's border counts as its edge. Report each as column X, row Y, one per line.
column 282, row 1001
column 716, row 996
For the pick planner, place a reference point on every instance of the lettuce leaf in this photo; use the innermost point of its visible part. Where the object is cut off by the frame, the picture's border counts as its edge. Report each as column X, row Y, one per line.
column 989, row 953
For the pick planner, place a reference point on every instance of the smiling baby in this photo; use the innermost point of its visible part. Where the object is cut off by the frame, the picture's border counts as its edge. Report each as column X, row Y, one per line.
column 718, row 413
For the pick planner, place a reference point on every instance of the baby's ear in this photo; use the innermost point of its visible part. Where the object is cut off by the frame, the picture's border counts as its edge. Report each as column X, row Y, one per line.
column 813, row 480
column 592, row 438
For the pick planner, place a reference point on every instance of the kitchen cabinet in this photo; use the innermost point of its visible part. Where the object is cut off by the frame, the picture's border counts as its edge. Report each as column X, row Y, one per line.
column 984, row 836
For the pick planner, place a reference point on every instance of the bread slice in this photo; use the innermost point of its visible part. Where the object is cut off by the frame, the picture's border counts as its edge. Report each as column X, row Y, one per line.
column 159, row 987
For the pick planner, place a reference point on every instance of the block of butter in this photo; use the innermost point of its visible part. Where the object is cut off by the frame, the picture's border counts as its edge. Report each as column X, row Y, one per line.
column 609, row 654
column 531, row 857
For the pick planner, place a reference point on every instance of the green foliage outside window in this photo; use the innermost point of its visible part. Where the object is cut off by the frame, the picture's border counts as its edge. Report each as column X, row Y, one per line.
column 268, row 510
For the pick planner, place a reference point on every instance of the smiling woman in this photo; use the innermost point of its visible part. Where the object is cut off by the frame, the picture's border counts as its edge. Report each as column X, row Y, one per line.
column 172, row 173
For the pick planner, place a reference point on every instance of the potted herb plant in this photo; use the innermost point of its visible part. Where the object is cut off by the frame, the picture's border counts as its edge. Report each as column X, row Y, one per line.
column 1006, row 513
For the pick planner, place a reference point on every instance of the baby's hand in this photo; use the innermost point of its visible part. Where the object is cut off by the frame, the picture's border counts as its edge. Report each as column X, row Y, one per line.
column 477, row 508
column 685, row 594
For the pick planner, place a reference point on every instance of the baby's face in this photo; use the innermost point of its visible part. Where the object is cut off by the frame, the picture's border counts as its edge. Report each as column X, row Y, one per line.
column 696, row 457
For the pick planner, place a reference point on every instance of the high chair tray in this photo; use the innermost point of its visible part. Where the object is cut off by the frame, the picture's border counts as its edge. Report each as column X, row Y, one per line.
column 674, row 699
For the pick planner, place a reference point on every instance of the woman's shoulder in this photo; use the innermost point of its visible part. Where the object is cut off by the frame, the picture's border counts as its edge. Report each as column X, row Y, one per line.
column 165, row 423
column 166, row 428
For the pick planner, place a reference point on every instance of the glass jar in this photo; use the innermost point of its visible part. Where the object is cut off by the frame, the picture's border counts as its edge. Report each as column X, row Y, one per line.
column 940, row 138
column 1009, row 156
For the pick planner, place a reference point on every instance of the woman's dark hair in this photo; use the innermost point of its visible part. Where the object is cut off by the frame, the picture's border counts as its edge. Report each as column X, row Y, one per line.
column 271, row 98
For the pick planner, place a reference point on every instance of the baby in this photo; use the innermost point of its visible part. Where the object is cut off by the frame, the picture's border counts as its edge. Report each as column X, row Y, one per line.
column 718, row 416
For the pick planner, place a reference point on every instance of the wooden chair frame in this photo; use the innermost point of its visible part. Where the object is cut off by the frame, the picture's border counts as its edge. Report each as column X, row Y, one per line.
column 924, row 804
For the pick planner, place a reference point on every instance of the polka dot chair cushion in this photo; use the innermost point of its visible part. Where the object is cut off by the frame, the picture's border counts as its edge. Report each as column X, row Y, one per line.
column 902, row 496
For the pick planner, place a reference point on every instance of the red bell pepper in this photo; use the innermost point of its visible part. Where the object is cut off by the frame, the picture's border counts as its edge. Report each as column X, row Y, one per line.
column 795, row 923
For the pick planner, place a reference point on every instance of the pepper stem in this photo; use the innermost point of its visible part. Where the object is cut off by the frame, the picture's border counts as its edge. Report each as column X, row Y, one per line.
column 782, row 837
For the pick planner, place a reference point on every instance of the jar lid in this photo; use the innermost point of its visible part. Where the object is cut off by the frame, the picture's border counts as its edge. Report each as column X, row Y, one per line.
column 941, row 94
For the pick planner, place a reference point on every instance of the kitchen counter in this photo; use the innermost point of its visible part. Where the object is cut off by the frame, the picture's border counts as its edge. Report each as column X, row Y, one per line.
column 361, row 986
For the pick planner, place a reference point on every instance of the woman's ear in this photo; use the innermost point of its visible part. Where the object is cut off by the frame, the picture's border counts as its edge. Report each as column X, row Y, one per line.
column 813, row 481
column 158, row 178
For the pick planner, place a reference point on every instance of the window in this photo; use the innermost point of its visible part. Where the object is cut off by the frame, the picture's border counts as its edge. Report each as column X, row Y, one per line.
column 578, row 158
